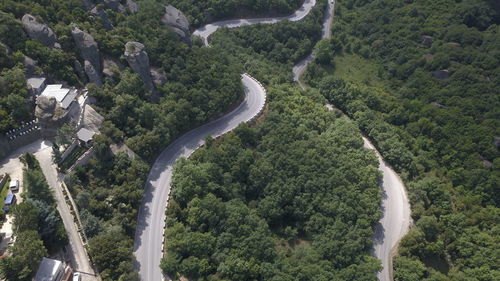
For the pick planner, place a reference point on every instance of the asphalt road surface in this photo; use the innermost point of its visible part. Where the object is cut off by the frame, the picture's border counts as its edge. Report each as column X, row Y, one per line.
column 395, row 219
column 76, row 251
column 149, row 241
column 301, row 66
column 205, row 31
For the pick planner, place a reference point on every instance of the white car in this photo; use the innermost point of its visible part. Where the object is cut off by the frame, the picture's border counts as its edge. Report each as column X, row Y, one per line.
column 77, row 276
column 14, row 185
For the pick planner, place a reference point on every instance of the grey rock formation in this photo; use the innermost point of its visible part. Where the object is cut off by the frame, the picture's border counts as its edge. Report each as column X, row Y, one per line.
column 114, row 5
column 111, row 68
column 39, row 31
column 88, row 4
column 441, row 74
column 496, row 142
column 90, row 53
column 159, row 77
column 132, row 6
column 176, row 20
column 92, row 73
column 29, row 65
column 48, row 111
column 138, row 60
column 427, row 40
column 8, row 51
column 103, row 17
column 77, row 66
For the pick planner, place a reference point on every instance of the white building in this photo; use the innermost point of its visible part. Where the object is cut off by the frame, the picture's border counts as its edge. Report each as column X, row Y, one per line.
column 50, row 270
column 64, row 96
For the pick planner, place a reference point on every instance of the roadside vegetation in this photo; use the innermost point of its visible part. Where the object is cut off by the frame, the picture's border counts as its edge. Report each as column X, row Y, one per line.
column 295, row 197
column 37, row 226
column 202, row 12
column 422, row 80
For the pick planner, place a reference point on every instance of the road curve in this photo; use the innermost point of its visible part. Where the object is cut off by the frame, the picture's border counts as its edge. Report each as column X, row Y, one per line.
column 205, row 31
column 301, row 66
column 148, row 244
column 395, row 219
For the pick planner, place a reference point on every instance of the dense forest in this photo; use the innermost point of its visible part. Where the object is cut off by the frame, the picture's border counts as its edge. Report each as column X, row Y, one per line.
column 37, row 226
column 202, row 12
column 108, row 192
column 422, row 80
column 293, row 198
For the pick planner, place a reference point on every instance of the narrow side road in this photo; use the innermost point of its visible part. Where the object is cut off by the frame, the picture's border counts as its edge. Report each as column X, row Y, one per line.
column 148, row 244
column 77, row 253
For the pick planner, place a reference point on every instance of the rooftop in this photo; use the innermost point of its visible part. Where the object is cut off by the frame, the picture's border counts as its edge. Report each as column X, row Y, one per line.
column 48, row 270
column 85, row 134
column 63, row 96
column 35, row 82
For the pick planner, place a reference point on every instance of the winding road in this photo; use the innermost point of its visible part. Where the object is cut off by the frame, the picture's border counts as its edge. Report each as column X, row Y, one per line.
column 149, row 237
column 148, row 244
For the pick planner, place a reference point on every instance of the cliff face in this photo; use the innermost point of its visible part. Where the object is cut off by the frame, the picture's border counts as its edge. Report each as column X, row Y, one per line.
column 138, row 60
column 39, row 31
column 176, row 20
column 90, row 54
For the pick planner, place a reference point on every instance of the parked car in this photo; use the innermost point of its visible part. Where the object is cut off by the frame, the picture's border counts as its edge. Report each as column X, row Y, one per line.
column 14, row 185
column 10, row 201
column 77, row 276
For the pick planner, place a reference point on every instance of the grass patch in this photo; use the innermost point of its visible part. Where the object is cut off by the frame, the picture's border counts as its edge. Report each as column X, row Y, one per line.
column 356, row 69
column 3, row 193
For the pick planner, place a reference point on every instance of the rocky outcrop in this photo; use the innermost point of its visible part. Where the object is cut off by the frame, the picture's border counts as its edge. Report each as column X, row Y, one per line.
column 90, row 54
column 496, row 142
column 29, row 65
column 114, row 5
column 8, row 51
column 103, row 17
column 132, row 6
column 159, row 77
column 176, row 20
column 138, row 60
column 441, row 74
column 111, row 69
column 49, row 112
column 92, row 73
column 77, row 66
column 39, row 31
column 426, row 40
column 88, row 4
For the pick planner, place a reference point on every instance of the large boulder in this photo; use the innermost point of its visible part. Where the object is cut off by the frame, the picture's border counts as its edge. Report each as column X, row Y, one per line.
column 49, row 112
column 132, row 6
column 39, row 31
column 111, row 68
column 90, row 54
column 176, row 20
column 102, row 16
column 441, row 74
column 29, row 65
column 77, row 66
column 138, row 59
column 8, row 51
column 88, row 4
column 92, row 73
column 114, row 5
column 159, row 77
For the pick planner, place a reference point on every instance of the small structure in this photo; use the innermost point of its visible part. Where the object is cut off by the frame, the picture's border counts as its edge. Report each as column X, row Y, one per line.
column 85, row 136
column 64, row 96
column 36, row 85
column 50, row 270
